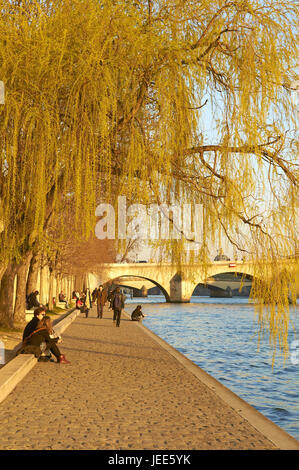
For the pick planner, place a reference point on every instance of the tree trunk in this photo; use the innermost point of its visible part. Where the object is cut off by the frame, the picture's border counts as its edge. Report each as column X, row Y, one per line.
column 20, row 303
column 76, row 283
column 58, row 288
column 72, row 287
column 51, row 285
column 2, row 270
column 33, row 274
column 69, row 288
column 7, row 295
column 44, row 282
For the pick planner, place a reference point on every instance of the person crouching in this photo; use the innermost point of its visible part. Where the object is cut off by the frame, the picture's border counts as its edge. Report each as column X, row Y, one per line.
column 137, row 314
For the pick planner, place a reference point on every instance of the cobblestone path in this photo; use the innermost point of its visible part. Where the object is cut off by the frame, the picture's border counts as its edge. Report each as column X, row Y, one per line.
column 121, row 391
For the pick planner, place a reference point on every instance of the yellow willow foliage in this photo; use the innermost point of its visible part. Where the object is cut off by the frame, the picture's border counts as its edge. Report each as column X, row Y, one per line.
column 157, row 100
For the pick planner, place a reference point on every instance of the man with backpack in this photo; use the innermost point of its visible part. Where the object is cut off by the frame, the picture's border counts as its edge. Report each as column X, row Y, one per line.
column 118, row 303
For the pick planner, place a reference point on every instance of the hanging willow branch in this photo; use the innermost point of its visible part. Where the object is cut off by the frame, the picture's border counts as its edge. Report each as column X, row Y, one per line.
column 102, row 97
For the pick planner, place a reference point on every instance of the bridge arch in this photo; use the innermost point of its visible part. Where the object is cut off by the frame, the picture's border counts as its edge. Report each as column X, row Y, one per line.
column 126, row 276
column 234, row 274
column 239, row 269
column 226, row 283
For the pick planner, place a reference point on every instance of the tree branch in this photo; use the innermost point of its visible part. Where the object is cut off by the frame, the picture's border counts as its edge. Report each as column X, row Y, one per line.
column 271, row 157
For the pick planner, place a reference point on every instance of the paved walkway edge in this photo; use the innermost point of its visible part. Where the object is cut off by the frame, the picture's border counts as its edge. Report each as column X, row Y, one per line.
column 265, row 426
column 13, row 372
column 16, row 369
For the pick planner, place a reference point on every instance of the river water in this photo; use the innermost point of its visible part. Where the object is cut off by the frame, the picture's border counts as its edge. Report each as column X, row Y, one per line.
column 221, row 337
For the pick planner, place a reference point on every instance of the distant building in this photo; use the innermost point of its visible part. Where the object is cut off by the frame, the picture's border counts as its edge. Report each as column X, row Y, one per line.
column 221, row 256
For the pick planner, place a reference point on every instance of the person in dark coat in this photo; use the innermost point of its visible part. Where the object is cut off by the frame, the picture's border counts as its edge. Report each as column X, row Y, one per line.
column 118, row 303
column 94, row 295
column 39, row 313
column 137, row 314
column 87, row 303
column 101, row 298
column 110, row 297
column 32, row 300
column 41, row 335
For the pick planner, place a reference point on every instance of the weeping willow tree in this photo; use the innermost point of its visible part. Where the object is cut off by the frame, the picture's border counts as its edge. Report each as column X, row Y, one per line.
column 167, row 100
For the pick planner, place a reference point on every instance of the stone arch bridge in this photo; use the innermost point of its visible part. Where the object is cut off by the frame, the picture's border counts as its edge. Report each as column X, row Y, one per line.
column 177, row 284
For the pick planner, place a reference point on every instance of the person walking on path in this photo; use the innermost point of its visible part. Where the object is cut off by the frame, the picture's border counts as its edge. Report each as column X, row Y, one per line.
column 94, row 295
column 101, row 298
column 118, row 303
column 110, row 297
column 87, row 303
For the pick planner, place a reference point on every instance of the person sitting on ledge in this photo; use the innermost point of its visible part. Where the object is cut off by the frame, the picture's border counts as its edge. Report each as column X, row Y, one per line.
column 79, row 304
column 137, row 314
column 32, row 300
column 47, row 322
column 33, row 342
column 39, row 313
column 62, row 298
